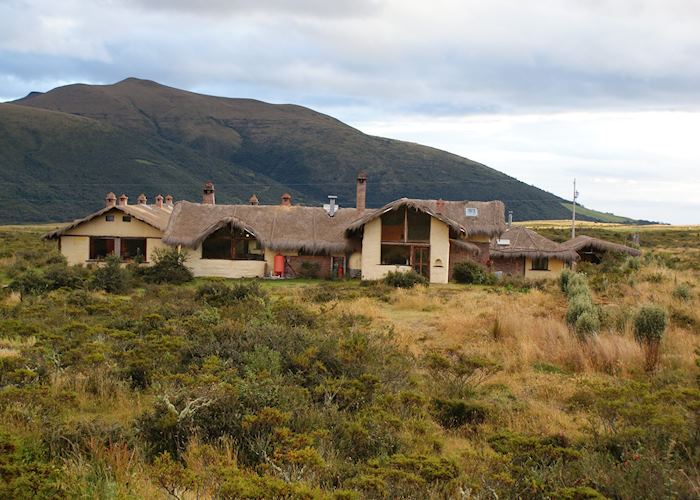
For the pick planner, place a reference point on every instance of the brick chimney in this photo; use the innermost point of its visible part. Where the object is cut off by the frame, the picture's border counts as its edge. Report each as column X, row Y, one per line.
column 208, row 194
column 159, row 201
column 168, row 200
column 110, row 199
column 253, row 200
column 286, row 200
column 142, row 200
column 123, row 200
column 440, row 206
column 361, row 199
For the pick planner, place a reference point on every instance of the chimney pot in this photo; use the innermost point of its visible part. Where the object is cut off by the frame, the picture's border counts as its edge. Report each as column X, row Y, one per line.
column 168, row 200
column 286, row 200
column 159, row 201
column 142, row 200
column 440, row 206
column 253, row 200
column 123, row 200
column 361, row 199
column 208, row 194
column 110, row 199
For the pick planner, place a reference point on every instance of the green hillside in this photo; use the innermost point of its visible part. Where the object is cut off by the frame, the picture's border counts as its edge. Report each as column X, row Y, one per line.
column 62, row 150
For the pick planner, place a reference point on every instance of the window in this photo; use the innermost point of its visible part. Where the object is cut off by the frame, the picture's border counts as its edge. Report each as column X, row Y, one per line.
column 132, row 248
column 418, row 226
column 471, row 212
column 396, row 255
column 227, row 243
column 126, row 218
column 393, row 225
column 109, row 218
column 540, row 264
column 101, row 248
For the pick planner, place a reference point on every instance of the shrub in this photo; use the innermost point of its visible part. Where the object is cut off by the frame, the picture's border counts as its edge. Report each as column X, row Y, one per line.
column 30, row 282
column 169, row 267
column 578, row 305
column 111, row 277
column 219, row 294
column 454, row 413
column 587, row 323
column 683, row 292
column 649, row 327
column 63, row 276
column 577, row 284
column 404, row 279
column 471, row 272
column 564, row 279
column 649, row 324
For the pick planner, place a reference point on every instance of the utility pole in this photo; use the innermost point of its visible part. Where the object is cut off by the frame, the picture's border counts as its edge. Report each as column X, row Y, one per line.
column 573, row 217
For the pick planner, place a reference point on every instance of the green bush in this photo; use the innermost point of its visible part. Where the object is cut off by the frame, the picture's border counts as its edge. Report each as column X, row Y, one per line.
column 683, row 292
column 30, row 282
column 577, row 284
column 404, row 279
column 587, row 323
column 471, row 272
column 111, row 277
column 454, row 413
column 218, row 294
column 578, row 305
column 650, row 324
column 564, row 279
column 169, row 267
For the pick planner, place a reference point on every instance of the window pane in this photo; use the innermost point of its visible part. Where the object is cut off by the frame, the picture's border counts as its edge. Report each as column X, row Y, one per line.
column 418, row 226
column 132, row 248
column 393, row 225
column 540, row 264
column 396, row 255
column 216, row 248
column 101, row 248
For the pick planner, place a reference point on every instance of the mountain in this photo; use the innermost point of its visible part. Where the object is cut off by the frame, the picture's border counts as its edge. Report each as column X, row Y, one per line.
column 62, row 150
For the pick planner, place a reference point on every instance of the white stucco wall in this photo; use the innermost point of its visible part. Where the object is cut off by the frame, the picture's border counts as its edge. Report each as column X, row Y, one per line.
column 556, row 266
column 439, row 251
column 224, row 268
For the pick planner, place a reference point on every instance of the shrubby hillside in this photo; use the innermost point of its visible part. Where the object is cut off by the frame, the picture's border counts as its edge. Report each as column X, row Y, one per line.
column 117, row 383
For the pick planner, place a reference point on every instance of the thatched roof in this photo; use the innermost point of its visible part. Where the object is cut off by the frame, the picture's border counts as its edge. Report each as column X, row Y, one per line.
column 524, row 242
column 489, row 221
column 152, row 215
column 466, row 245
column 277, row 227
column 589, row 243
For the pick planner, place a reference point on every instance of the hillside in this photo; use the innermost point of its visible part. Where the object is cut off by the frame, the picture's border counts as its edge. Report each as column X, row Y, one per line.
column 62, row 150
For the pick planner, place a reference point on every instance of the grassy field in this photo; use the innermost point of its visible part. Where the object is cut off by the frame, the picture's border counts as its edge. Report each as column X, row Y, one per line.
column 314, row 389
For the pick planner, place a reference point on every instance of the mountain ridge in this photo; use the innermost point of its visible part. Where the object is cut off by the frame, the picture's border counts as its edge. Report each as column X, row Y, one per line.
column 139, row 135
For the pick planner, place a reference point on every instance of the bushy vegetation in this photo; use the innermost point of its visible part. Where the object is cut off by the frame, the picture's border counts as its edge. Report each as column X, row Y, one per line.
column 404, row 279
column 582, row 314
column 170, row 266
column 277, row 389
column 472, row 273
column 649, row 327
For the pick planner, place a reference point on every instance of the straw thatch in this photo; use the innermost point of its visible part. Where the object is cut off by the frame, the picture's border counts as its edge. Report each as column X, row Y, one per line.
column 279, row 228
column 524, row 242
column 466, row 246
column 583, row 244
column 152, row 215
column 489, row 222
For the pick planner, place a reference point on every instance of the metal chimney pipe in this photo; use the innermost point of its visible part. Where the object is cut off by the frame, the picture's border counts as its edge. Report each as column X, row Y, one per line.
column 332, row 208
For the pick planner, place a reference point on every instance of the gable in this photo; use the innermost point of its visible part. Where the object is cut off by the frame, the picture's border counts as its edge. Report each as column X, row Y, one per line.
column 99, row 226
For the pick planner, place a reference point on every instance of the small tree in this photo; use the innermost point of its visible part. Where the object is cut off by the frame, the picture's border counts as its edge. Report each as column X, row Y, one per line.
column 649, row 327
column 111, row 277
column 169, row 267
column 472, row 272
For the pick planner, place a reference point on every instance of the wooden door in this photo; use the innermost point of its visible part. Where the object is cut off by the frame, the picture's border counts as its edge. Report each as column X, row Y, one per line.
column 420, row 259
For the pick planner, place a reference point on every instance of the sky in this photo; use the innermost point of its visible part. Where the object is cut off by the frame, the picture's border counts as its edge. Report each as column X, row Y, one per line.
column 604, row 91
